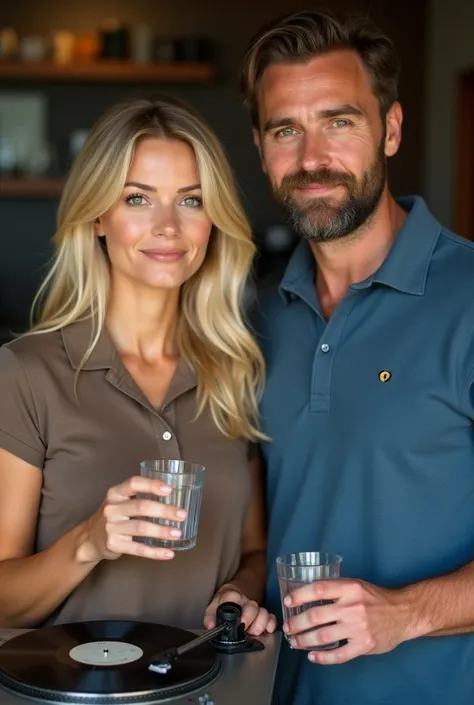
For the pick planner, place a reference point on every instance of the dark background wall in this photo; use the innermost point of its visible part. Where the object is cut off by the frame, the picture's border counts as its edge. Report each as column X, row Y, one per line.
column 27, row 225
column 451, row 53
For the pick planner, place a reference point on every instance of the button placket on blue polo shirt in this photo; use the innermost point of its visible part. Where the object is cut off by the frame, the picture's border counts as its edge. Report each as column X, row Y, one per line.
column 325, row 354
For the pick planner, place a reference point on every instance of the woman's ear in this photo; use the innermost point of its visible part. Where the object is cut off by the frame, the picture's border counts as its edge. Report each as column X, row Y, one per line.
column 98, row 229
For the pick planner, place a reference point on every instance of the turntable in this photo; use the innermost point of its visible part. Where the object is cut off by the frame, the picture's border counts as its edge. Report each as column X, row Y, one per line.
column 128, row 663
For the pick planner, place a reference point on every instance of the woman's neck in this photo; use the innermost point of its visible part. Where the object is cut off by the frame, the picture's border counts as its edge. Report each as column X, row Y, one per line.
column 142, row 322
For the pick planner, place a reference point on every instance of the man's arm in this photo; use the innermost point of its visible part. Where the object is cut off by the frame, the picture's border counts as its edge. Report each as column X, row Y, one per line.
column 375, row 620
column 443, row 606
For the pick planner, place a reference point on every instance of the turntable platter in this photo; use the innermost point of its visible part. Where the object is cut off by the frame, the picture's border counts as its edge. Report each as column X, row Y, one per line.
column 103, row 662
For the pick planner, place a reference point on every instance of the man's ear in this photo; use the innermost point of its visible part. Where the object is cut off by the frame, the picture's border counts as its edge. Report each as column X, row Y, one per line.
column 393, row 127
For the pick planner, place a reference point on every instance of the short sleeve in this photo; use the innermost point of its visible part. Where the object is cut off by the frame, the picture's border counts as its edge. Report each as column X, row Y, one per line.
column 19, row 427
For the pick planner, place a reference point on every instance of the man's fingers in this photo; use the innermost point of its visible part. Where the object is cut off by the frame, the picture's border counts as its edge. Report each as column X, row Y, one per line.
column 339, row 589
column 341, row 655
column 312, row 618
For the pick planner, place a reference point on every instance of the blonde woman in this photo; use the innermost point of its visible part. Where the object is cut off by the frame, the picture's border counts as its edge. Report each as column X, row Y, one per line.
column 140, row 352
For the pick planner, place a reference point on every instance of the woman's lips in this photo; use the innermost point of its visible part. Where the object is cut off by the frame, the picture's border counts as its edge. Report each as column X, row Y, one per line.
column 164, row 255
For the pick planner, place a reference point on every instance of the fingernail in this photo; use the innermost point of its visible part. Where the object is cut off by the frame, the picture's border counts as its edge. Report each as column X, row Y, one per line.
column 175, row 532
column 312, row 657
column 181, row 514
column 168, row 554
column 293, row 642
column 287, row 601
column 165, row 488
column 286, row 628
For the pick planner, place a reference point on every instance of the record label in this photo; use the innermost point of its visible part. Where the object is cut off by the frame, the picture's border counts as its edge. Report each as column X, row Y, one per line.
column 106, row 653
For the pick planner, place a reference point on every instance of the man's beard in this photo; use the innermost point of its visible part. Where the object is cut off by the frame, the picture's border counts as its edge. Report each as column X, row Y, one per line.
column 322, row 219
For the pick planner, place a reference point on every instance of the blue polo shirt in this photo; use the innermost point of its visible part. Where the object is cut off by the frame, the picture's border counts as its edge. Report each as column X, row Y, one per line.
column 372, row 452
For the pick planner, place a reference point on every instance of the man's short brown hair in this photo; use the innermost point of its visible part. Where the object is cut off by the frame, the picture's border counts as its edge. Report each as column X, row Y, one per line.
column 301, row 36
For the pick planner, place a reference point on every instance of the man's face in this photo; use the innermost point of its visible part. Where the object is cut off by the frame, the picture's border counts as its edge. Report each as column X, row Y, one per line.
column 323, row 143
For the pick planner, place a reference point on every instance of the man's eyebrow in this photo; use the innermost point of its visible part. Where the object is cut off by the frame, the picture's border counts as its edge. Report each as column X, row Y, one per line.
column 273, row 124
column 345, row 109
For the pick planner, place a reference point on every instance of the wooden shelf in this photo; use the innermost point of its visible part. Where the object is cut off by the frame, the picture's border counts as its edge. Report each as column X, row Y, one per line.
column 106, row 71
column 31, row 187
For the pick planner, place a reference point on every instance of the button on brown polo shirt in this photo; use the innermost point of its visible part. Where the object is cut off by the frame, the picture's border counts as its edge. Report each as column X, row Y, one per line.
column 87, row 443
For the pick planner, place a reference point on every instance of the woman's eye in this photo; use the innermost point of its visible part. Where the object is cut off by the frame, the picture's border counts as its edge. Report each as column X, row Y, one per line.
column 192, row 201
column 135, row 199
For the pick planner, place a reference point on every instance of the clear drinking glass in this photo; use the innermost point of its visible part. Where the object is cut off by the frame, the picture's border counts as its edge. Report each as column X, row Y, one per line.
column 298, row 569
column 186, row 480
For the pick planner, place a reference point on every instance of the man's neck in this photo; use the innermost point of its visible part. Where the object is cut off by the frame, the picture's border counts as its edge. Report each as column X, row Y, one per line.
column 354, row 258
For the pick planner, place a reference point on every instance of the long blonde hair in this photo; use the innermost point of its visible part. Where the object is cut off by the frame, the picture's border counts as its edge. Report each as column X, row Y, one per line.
column 211, row 334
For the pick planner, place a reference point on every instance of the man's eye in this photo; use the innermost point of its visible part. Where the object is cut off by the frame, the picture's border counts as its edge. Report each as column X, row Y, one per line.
column 340, row 122
column 285, row 132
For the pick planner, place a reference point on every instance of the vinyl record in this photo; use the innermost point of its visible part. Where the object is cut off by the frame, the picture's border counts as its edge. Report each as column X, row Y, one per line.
column 103, row 662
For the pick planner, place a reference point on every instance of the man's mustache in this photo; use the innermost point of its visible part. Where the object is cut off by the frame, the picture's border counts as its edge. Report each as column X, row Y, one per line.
column 320, row 177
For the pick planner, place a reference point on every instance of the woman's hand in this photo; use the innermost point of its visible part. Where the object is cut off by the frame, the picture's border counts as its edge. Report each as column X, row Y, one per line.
column 256, row 620
column 109, row 532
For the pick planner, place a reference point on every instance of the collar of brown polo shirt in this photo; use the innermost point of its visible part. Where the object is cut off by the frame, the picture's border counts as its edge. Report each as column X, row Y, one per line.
column 77, row 338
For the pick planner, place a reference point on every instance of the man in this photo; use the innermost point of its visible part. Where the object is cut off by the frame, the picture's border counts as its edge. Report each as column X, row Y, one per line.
column 369, row 402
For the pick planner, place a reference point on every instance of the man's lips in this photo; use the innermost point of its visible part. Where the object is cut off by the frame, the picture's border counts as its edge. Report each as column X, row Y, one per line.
column 317, row 189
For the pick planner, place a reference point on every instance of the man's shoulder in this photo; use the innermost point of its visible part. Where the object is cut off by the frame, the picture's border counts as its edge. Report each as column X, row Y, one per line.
column 270, row 299
column 459, row 244
column 266, row 307
column 453, row 258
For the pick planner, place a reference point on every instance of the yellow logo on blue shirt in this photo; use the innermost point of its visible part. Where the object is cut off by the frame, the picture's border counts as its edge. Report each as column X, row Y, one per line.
column 384, row 376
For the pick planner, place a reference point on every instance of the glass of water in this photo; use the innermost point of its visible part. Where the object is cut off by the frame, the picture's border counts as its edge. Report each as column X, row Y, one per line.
column 186, row 480
column 298, row 569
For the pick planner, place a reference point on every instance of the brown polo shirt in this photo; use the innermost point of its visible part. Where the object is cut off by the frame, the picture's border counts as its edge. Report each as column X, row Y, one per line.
column 83, row 445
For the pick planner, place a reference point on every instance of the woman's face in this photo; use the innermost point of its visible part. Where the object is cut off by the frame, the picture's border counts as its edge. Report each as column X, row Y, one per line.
column 158, row 232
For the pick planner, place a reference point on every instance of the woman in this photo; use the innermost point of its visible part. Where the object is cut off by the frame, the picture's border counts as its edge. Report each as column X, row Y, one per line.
column 140, row 352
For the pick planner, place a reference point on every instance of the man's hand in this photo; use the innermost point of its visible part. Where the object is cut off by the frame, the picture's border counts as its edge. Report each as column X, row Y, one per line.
column 372, row 619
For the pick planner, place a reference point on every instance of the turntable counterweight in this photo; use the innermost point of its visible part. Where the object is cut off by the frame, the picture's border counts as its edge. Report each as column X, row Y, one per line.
column 227, row 637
